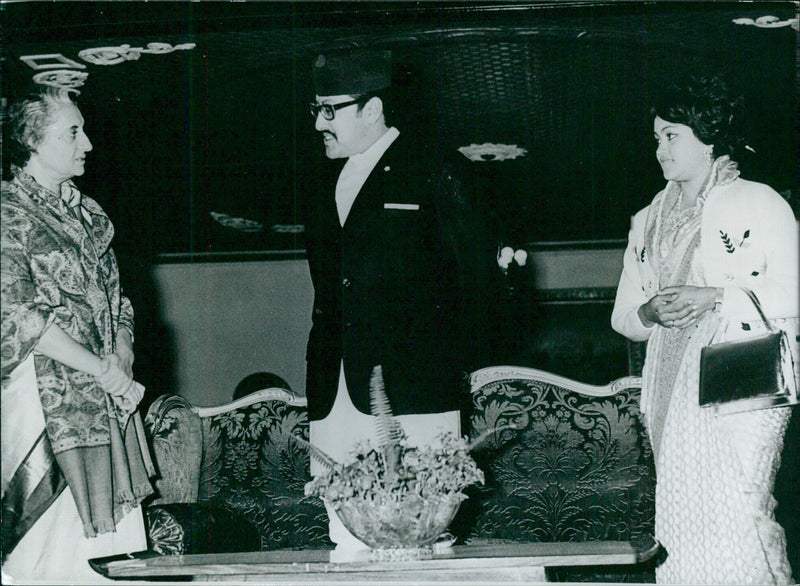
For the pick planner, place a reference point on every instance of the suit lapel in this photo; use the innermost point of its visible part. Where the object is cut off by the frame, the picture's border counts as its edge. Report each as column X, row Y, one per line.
column 378, row 184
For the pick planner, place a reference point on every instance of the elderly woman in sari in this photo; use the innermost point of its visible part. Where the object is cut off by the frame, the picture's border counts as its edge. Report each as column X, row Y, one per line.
column 75, row 466
column 705, row 239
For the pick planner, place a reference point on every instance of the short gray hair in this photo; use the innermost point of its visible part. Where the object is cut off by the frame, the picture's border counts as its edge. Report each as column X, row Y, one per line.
column 27, row 120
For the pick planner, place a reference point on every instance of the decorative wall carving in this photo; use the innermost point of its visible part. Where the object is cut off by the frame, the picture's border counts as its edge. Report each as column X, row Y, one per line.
column 122, row 53
column 62, row 71
column 492, row 152
column 769, row 22
column 68, row 79
column 50, row 61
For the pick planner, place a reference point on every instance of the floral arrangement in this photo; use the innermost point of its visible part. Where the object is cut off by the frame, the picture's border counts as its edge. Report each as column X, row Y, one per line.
column 506, row 255
column 396, row 495
column 404, row 498
column 418, row 475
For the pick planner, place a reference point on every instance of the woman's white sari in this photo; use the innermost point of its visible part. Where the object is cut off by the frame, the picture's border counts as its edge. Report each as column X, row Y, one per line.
column 715, row 473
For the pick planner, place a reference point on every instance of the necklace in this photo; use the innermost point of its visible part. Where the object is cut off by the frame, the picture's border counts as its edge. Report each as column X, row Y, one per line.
column 677, row 220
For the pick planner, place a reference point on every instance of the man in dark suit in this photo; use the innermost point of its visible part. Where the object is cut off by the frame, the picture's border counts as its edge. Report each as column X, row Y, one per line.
column 393, row 250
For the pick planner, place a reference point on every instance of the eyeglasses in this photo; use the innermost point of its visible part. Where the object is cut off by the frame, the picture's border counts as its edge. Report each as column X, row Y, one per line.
column 329, row 110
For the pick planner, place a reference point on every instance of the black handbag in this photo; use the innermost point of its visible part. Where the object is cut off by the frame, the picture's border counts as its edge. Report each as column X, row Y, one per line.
column 745, row 375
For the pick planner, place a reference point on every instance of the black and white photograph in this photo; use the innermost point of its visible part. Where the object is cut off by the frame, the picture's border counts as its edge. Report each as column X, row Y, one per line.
column 400, row 292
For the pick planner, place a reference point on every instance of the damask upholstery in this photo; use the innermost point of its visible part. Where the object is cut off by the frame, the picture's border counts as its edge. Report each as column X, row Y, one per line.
column 176, row 438
column 564, row 461
column 248, row 466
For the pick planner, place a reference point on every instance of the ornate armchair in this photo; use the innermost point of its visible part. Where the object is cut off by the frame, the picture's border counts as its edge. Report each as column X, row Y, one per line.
column 576, row 466
column 231, row 477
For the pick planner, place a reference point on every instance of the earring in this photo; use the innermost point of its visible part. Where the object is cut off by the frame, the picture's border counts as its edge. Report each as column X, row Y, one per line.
column 709, row 156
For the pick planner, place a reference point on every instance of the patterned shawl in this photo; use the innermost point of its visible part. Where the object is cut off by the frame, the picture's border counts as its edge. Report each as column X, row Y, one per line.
column 58, row 267
column 672, row 236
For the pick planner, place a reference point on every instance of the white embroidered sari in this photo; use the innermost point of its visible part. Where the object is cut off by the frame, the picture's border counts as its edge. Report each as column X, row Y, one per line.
column 715, row 474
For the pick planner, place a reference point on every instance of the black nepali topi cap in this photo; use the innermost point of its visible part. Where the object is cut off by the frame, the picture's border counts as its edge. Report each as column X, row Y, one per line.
column 352, row 72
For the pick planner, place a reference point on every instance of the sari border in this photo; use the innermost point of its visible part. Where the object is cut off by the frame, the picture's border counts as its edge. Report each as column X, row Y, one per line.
column 27, row 497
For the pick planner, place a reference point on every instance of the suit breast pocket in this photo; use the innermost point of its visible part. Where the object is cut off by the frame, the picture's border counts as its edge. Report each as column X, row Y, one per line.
column 401, row 207
column 402, row 225
column 407, row 237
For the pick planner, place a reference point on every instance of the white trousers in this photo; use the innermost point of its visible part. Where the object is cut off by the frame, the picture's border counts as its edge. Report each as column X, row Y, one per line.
column 345, row 426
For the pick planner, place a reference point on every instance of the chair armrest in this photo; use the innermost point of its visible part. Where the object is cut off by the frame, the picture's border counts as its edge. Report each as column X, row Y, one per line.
column 175, row 434
column 189, row 528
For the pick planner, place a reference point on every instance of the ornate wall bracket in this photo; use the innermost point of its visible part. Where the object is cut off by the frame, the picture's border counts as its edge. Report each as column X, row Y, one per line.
column 769, row 22
column 50, row 61
column 122, row 53
column 60, row 71
column 492, row 152
column 68, row 79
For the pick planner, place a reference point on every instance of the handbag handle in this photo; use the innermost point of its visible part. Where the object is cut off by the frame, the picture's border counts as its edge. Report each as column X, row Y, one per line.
column 720, row 329
column 757, row 303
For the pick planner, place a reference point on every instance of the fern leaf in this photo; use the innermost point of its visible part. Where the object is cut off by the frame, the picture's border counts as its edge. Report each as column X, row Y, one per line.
column 390, row 433
column 388, row 429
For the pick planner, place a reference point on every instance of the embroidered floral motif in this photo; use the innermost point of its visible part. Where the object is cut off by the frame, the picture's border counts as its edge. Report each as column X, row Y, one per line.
column 731, row 244
column 232, row 423
column 570, row 469
column 251, row 466
column 574, row 468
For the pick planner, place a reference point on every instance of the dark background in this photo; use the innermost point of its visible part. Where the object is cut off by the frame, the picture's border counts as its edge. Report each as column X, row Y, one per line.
column 224, row 127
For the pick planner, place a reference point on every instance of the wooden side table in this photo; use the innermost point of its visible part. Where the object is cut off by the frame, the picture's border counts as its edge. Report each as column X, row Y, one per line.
column 474, row 563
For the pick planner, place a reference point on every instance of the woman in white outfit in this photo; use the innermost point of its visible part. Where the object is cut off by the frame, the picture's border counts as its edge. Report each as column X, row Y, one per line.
column 704, row 239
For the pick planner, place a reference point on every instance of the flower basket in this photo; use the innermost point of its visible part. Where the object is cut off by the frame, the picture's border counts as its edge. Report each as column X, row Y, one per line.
column 396, row 498
column 409, row 524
